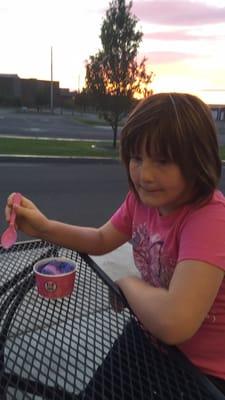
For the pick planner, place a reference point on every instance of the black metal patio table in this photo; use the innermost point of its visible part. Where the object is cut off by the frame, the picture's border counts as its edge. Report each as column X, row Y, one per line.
column 79, row 347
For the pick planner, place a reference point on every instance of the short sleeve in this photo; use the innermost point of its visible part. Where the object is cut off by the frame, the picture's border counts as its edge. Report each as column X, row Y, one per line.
column 122, row 219
column 202, row 236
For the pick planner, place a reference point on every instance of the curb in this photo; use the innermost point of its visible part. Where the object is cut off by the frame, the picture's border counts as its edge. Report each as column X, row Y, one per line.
column 52, row 159
column 59, row 139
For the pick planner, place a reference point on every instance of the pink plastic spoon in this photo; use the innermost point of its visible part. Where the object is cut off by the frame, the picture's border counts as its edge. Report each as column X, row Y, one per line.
column 10, row 235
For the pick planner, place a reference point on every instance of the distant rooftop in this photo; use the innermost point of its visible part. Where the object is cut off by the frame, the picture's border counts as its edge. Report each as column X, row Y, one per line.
column 9, row 76
column 217, row 105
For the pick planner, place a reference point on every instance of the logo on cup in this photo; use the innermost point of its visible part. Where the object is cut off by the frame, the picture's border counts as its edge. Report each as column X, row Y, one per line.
column 50, row 286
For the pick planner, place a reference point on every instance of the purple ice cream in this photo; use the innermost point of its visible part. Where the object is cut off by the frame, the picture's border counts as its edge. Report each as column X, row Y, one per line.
column 56, row 269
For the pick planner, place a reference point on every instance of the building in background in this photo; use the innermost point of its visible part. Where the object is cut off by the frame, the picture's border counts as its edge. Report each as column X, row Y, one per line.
column 10, row 89
column 36, row 93
column 218, row 112
column 16, row 91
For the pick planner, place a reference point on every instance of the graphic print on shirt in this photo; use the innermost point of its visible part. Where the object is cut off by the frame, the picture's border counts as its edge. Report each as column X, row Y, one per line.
column 155, row 266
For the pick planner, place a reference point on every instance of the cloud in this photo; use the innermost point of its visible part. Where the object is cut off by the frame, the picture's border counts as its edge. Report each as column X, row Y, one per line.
column 178, row 12
column 177, row 35
column 213, row 90
column 166, row 57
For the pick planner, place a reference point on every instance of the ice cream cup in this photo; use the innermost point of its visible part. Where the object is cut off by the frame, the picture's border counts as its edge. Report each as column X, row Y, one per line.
column 58, row 285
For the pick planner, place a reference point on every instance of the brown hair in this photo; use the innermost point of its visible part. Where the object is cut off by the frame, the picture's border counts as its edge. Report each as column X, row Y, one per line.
column 179, row 128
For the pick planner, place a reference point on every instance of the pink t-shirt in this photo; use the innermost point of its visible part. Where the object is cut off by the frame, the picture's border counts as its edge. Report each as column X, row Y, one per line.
column 160, row 242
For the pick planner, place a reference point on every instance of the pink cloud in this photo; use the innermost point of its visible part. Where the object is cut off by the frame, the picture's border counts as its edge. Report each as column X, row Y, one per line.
column 176, row 35
column 178, row 12
column 166, row 57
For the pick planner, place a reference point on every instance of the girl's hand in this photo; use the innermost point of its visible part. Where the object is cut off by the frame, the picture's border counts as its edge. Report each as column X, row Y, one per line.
column 28, row 217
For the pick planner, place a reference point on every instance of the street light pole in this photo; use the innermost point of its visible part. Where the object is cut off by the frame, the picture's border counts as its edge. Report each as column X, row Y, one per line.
column 51, row 87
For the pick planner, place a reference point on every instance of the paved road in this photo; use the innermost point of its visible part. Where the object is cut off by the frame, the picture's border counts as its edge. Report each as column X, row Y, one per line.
column 73, row 192
column 78, row 193
column 47, row 125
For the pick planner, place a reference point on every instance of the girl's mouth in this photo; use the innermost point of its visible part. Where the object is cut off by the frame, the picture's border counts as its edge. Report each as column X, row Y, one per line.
column 149, row 190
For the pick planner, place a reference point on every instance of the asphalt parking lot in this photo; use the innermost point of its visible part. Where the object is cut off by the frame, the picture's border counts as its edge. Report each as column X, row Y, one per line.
column 35, row 124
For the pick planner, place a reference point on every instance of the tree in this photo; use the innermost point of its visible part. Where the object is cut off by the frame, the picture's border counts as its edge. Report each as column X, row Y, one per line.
column 113, row 75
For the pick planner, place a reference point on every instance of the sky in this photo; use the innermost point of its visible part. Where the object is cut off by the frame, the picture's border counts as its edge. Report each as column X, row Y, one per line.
column 183, row 41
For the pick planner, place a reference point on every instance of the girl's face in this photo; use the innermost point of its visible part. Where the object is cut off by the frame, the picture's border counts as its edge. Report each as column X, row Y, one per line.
column 159, row 183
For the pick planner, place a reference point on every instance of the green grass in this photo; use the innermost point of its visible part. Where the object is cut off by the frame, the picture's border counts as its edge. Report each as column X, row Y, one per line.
column 222, row 152
column 79, row 148
column 44, row 147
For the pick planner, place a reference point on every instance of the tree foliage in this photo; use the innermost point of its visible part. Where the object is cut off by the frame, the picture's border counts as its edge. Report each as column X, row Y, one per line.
column 113, row 75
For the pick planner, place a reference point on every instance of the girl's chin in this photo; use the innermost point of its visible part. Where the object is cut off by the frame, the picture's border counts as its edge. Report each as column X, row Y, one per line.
column 149, row 200
column 150, row 195
column 154, row 201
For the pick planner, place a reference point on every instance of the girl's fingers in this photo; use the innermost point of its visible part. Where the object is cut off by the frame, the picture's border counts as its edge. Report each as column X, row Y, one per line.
column 26, row 203
column 8, row 208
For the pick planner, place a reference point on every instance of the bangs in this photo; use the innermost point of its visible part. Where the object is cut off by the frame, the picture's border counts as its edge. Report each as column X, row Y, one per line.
column 155, row 140
column 158, row 146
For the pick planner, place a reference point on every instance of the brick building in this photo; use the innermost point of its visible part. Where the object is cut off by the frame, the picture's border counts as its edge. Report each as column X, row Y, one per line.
column 10, row 88
column 37, row 92
column 27, row 92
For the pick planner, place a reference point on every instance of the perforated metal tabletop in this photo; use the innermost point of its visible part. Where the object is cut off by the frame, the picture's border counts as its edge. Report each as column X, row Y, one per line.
column 79, row 347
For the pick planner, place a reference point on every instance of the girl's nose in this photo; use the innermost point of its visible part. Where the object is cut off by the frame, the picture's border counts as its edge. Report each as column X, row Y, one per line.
column 147, row 171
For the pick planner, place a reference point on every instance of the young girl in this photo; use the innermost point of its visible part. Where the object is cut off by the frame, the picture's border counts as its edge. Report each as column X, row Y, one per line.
column 175, row 218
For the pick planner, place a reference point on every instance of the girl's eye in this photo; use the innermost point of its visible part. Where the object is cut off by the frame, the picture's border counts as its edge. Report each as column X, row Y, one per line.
column 161, row 161
column 136, row 159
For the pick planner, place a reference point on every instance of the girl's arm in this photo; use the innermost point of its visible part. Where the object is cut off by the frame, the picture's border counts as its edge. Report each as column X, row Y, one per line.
column 175, row 314
column 96, row 241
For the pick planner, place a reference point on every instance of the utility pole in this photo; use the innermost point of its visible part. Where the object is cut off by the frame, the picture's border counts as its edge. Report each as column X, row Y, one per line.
column 51, row 87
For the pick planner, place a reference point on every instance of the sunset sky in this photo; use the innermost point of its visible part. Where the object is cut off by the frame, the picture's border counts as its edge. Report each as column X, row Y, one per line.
column 184, row 41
